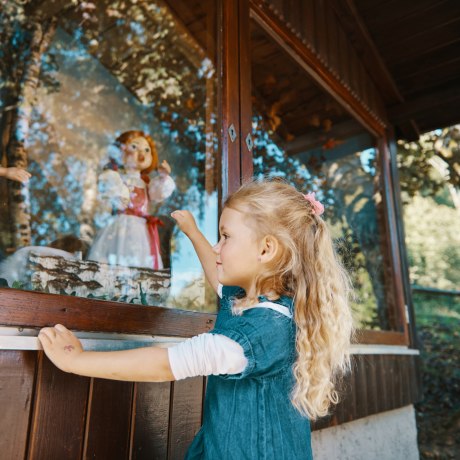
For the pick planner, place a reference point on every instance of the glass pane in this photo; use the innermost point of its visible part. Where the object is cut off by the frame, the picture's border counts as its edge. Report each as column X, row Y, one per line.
column 303, row 135
column 94, row 218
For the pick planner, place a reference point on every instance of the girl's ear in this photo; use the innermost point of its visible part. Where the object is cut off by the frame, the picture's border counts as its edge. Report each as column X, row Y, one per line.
column 268, row 249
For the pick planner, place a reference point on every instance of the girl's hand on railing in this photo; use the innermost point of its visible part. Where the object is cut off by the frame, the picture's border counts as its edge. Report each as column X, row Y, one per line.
column 61, row 346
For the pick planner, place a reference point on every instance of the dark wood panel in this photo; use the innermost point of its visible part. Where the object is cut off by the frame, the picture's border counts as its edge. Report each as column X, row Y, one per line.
column 384, row 12
column 433, row 80
column 150, row 439
column 430, row 60
column 361, row 382
column 186, row 415
column 109, row 420
column 59, row 413
column 421, row 21
column 333, row 42
column 37, row 309
column 418, row 46
column 307, row 13
column 377, row 383
column 160, row 423
column 344, row 61
column 17, row 372
column 277, row 6
column 321, row 38
column 372, row 370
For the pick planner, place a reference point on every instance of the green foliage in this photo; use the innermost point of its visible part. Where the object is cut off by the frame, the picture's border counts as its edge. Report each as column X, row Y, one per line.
column 430, row 179
column 426, row 166
column 433, row 243
column 438, row 413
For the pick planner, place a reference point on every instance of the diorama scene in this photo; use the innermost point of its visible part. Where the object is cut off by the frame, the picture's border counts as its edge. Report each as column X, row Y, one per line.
column 116, row 128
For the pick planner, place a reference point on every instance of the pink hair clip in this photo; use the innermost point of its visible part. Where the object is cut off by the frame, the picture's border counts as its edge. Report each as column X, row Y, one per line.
column 318, row 208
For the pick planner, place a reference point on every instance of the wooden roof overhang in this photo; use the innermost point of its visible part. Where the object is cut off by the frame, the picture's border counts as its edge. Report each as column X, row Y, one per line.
column 399, row 60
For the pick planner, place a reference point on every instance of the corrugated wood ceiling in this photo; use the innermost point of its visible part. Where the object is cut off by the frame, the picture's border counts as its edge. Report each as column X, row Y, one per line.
column 419, row 41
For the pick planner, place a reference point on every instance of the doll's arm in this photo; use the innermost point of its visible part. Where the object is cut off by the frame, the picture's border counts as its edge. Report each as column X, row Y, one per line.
column 138, row 365
column 202, row 246
column 162, row 186
column 17, row 174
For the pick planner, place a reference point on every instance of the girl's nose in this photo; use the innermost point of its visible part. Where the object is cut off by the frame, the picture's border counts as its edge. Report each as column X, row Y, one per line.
column 216, row 248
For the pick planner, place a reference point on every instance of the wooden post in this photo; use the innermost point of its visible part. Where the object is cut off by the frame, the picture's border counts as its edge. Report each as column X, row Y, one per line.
column 401, row 240
column 230, row 120
column 245, row 92
column 392, row 237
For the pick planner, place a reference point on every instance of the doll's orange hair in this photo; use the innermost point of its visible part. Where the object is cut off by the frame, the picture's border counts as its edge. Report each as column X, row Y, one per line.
column 127, row 136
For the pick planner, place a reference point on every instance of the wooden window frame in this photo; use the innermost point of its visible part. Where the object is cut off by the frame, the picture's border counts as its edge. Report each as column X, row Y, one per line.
column 36, row 309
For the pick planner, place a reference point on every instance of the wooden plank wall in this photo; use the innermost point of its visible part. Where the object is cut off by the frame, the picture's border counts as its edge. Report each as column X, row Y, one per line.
column 48, row 414
column 316, row 23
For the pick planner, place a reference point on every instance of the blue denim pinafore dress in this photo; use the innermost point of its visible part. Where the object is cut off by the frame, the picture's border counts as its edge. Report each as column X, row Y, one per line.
column 250, row 415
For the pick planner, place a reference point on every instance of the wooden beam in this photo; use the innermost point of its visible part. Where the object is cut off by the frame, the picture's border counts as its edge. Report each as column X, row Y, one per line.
column 310, row 62
column 36, row 310
column 410, row 109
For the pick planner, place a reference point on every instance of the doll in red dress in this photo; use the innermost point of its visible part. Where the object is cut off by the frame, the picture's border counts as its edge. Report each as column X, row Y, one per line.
column 131, row 239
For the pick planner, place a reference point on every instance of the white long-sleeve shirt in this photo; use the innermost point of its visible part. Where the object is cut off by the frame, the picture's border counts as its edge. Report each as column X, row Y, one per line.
column 212, row 354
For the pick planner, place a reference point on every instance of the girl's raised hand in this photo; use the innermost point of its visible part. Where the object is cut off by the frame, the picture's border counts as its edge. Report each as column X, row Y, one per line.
column 185, row 221
column 61, row 346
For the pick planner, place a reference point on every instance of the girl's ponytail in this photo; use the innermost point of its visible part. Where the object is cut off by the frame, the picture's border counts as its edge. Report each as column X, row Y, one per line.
column 324, row 322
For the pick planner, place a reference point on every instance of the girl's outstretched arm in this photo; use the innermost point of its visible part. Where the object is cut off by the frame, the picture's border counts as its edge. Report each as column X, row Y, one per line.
column 202, row 246
column 17, row 174
column 138, row 365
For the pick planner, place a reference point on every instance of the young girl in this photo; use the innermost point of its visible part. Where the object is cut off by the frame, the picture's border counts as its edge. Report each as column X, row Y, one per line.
column 281, row 337
column 132, row 238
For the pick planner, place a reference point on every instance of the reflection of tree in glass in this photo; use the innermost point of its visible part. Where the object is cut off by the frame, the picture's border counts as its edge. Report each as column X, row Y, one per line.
column 144, row 48
column 24, row 40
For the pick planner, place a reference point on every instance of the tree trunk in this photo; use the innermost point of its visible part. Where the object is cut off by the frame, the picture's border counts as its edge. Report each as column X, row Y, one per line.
column 19, row 205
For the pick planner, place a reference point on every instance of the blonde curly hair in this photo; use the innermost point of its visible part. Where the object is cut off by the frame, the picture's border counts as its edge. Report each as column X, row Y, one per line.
column 307, row 269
